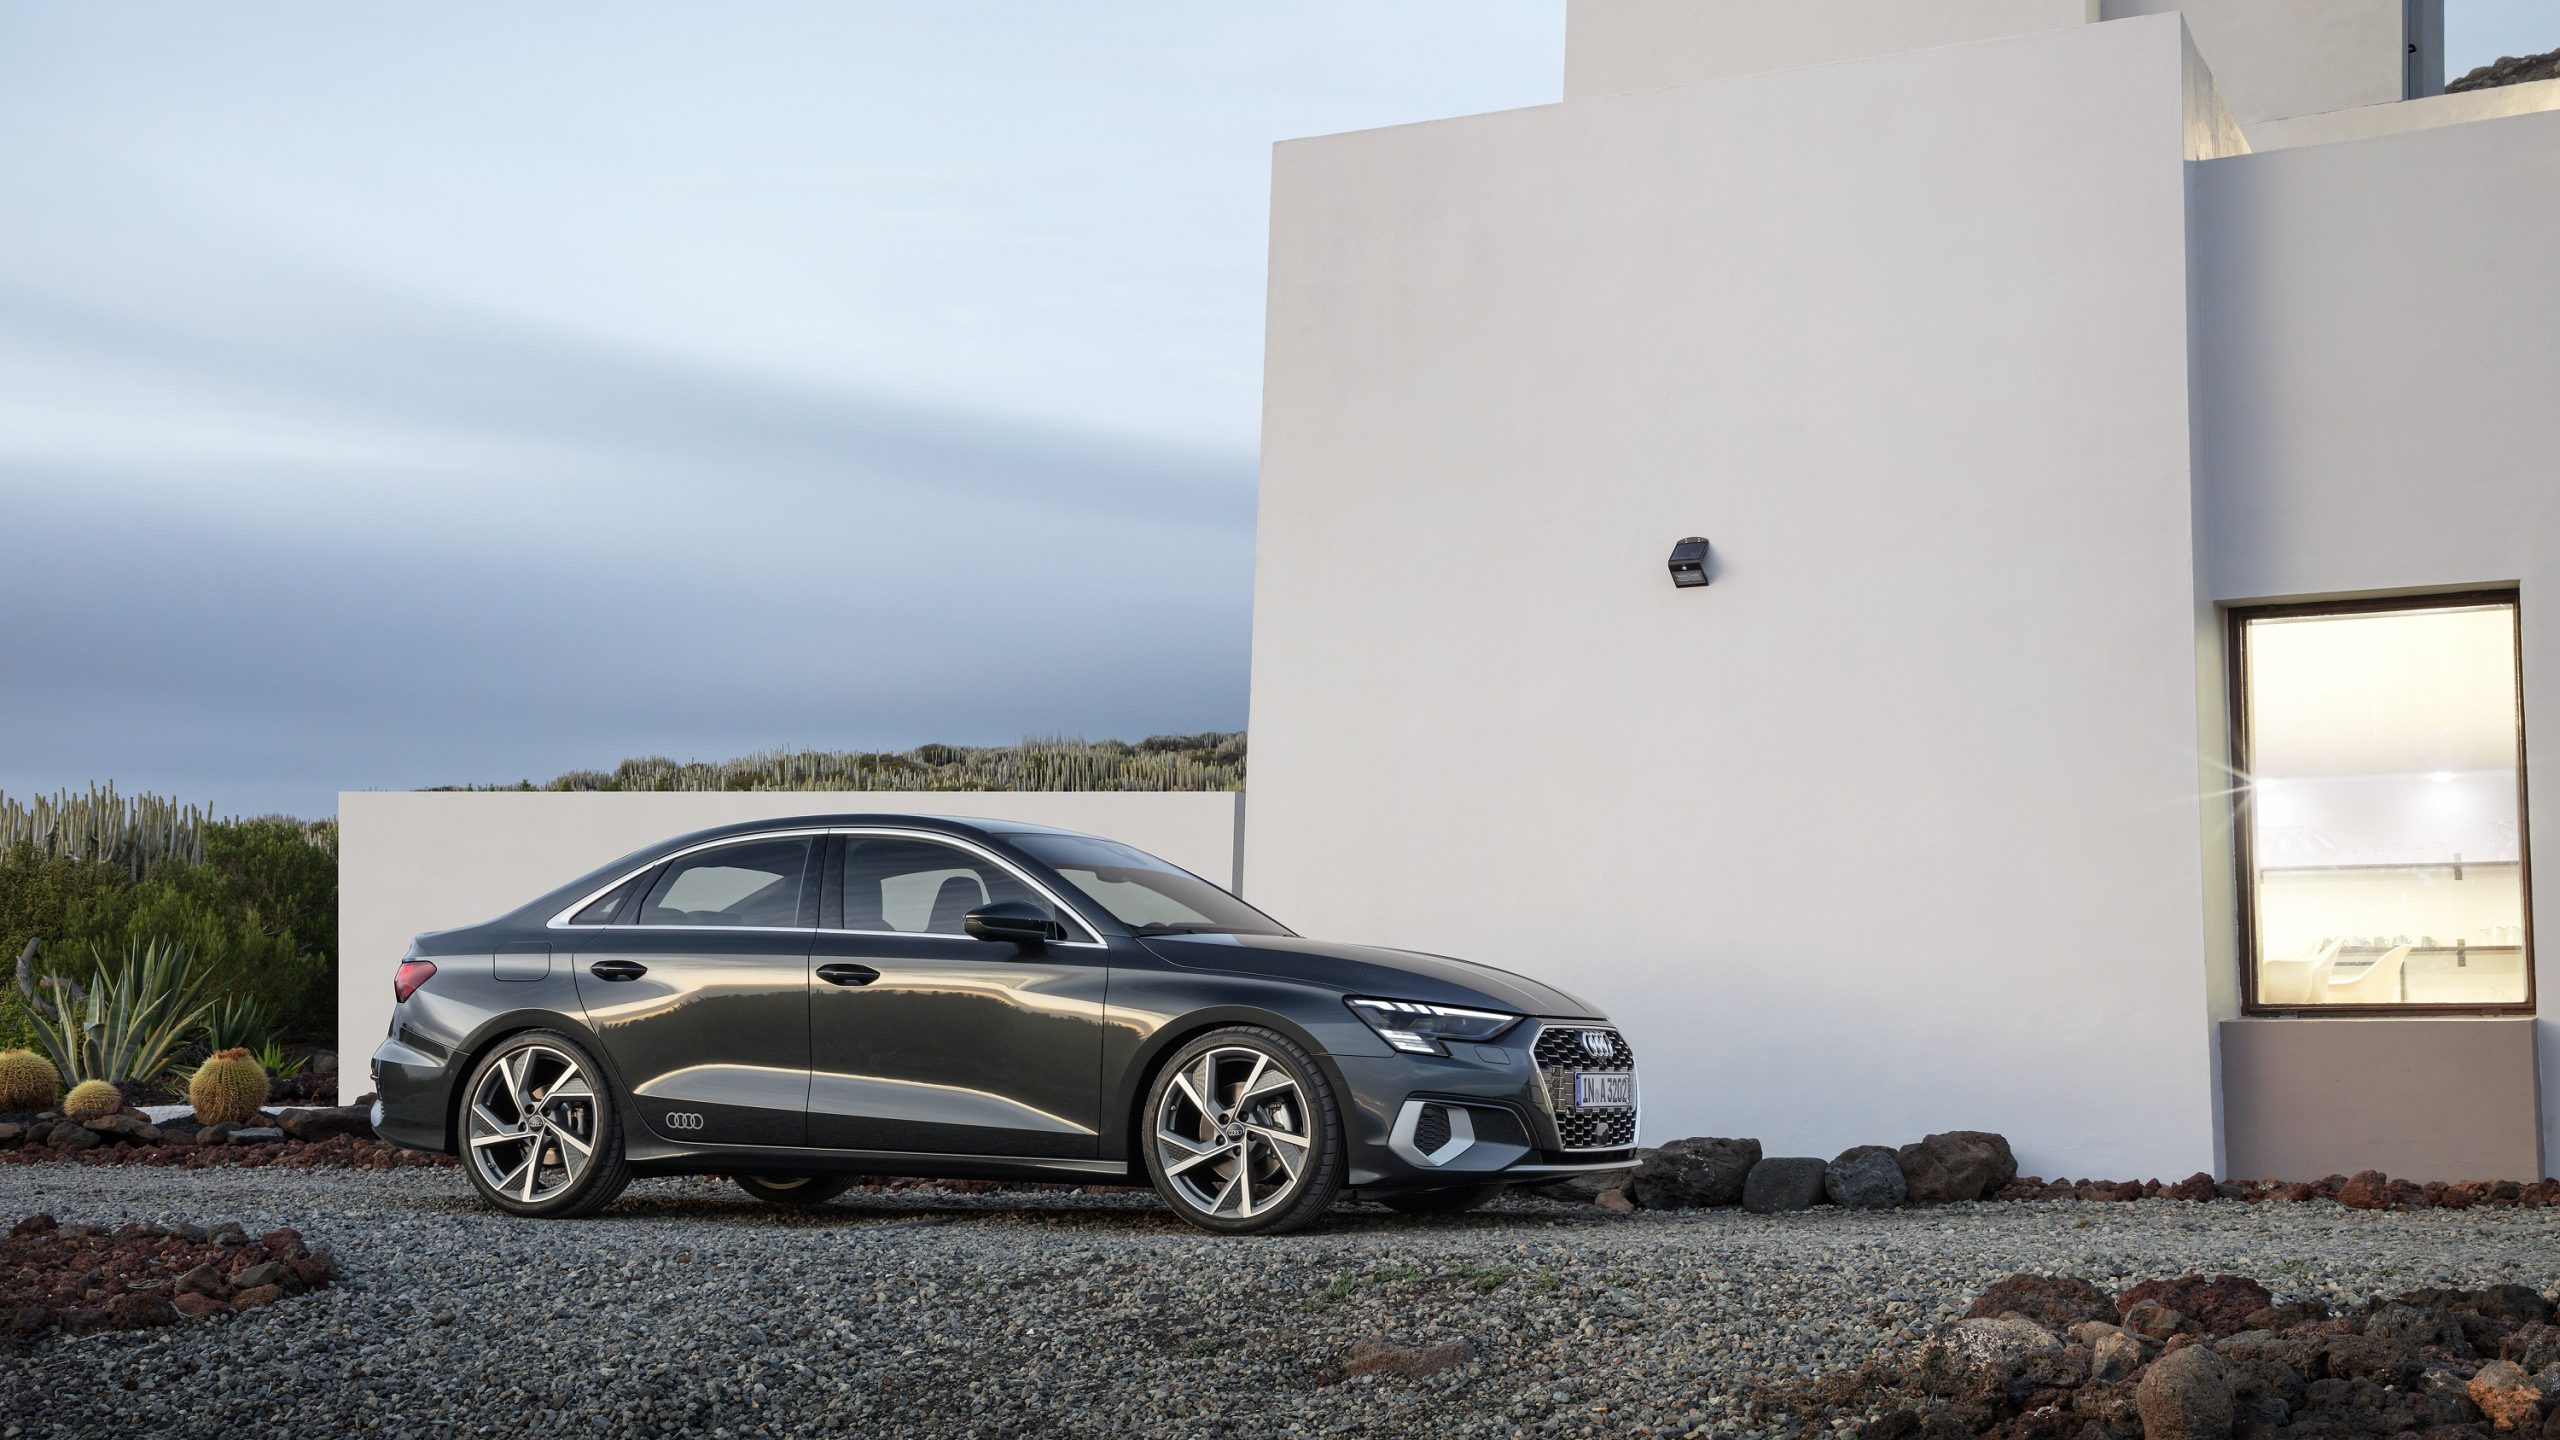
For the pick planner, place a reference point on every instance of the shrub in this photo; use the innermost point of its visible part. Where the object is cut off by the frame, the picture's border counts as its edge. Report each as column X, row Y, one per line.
column 228, row 1089
column 258, row 914
column 28, row 1082
column 92, row 1098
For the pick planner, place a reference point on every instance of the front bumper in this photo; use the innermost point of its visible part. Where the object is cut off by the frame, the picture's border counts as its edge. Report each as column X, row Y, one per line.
column 1483, row 1112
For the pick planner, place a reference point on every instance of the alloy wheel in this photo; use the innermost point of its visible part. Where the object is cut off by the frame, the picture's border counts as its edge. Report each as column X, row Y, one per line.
column 533, row 1124
column 1232, row 1133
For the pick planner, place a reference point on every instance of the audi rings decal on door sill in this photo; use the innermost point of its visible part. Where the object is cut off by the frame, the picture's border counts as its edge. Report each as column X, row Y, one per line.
column 682, row 1120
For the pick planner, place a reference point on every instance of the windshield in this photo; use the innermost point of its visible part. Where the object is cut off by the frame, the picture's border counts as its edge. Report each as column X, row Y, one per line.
column 1143, row 892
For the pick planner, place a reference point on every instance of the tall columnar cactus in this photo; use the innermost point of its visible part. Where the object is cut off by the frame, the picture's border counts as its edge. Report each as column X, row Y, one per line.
column 92, row 1098
column 228, row 1089
column 28, row 1082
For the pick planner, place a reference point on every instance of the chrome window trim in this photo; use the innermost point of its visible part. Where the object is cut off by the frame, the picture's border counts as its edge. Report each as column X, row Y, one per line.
column 561, row 921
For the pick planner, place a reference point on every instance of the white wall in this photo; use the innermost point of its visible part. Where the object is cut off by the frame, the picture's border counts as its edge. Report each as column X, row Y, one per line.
column 1613, row 46
column 2381, row 342
column 1896, row 827
column 2275, row 58
column 2269, row 57
column 415, row 861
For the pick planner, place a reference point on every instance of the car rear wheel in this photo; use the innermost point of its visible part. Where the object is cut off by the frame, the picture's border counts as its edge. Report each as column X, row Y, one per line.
column 795, row 1189
column 1452, row 1200
column 541, row 1134
column 1243, row 1136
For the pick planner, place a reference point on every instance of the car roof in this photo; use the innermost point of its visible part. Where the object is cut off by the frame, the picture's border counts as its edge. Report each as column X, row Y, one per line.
column 964, row 824
column 977, row 826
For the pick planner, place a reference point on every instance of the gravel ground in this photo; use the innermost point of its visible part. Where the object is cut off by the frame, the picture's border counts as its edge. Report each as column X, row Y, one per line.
column 691, row 1309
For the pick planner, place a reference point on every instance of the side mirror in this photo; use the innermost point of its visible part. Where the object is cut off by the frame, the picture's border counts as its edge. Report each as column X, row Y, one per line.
column 1013, row 922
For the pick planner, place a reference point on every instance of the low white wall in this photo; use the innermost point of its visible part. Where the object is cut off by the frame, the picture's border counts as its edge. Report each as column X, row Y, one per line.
column 416, row 861
column 1895, row 827
column 2366, row 122
column 2380, row 344
column 1613, row 46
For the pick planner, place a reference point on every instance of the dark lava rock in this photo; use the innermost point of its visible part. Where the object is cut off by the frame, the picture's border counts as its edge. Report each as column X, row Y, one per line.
column 323, row 1124
column 2057, row 1302
column 1956, row 1165
column 2222, row 1305
column 1686, row 1174
column 1784, row 1182
column 1865, row 1177
column 135, row 1310
column 2185, row 1395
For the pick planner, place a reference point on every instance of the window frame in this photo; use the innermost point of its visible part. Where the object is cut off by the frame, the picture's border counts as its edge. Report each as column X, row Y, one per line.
column 1081, row 935
column 804, row 912
column 2236, row 618
column 814, row 898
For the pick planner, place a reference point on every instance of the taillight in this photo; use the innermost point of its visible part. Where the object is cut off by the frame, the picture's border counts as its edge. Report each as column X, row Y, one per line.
column 413, row 973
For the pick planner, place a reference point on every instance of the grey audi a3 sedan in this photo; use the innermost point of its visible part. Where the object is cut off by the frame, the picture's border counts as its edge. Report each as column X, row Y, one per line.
column 802, row 1003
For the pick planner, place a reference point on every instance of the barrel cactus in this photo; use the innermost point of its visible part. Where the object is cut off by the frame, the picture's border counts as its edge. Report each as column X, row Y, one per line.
column 91, row 1099
column 228, row 1088
column 28, row 1082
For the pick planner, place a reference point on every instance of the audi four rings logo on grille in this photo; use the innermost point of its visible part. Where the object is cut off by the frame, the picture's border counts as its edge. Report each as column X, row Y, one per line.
column 1596, row 1047
column 683, row 1120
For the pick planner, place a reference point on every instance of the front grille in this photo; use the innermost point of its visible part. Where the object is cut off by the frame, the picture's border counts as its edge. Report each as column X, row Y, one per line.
column 1560, row 1052
column 1431, row 1129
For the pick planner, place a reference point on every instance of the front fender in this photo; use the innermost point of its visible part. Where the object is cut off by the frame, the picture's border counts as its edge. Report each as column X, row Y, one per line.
column 1152, row 1014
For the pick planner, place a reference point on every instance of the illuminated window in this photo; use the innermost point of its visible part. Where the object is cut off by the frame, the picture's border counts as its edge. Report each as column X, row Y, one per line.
column 2383, row 841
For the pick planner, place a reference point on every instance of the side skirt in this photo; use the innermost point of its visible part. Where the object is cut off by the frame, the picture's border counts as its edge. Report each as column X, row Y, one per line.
column 659, row 1158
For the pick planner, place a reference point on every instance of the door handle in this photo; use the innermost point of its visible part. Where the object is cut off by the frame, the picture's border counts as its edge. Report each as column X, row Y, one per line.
column 617, row 969
column 847, row 974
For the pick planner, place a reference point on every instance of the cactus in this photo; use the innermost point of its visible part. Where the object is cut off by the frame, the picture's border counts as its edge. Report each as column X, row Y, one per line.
column 92, row 1098
column 228, row 1088
column 135, row 832
column 28, row 1082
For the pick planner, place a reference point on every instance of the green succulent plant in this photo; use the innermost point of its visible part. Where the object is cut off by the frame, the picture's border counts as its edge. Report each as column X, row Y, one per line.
column 137, row 1012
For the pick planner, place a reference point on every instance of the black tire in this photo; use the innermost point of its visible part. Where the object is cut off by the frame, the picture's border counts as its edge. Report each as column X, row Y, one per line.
column 605, row 1172
column 795, row 1189
column 1317, row 1182
column 1453, row 1200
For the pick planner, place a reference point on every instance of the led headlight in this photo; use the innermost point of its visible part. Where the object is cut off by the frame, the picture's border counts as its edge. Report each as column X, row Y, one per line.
column 1418, row 1029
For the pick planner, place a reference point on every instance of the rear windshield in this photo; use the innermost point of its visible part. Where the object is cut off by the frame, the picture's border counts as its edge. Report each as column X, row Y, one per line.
column 1143, row 892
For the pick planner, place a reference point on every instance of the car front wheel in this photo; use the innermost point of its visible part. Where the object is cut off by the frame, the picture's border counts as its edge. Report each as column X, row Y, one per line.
column 541, row 1134
column 1243, row 1136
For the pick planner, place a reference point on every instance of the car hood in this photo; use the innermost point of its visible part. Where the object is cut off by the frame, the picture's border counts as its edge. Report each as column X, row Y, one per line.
column 1371, row 970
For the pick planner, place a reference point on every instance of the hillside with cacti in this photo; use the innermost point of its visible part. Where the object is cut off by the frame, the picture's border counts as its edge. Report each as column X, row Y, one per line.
column 1210, row 761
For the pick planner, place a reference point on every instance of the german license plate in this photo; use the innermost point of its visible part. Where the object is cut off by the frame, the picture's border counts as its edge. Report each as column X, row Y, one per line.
column 1604, row 1089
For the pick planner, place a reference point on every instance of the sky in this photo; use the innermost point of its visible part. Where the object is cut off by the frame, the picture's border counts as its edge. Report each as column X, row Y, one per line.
column 467, row 393
column 396, row 396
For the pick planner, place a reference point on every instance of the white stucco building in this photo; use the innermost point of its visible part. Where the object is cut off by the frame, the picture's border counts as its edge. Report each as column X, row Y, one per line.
column 2086, row 403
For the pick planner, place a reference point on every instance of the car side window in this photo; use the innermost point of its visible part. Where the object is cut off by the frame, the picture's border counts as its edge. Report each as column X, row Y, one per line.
column 919, row 887
column 610, row 904
column 755, row 882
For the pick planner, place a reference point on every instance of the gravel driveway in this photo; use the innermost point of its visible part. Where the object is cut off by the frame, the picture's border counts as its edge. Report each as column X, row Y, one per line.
column 688, row 1308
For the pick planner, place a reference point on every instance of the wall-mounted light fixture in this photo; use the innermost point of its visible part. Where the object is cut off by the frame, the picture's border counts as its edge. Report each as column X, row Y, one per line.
column 1689, row 562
